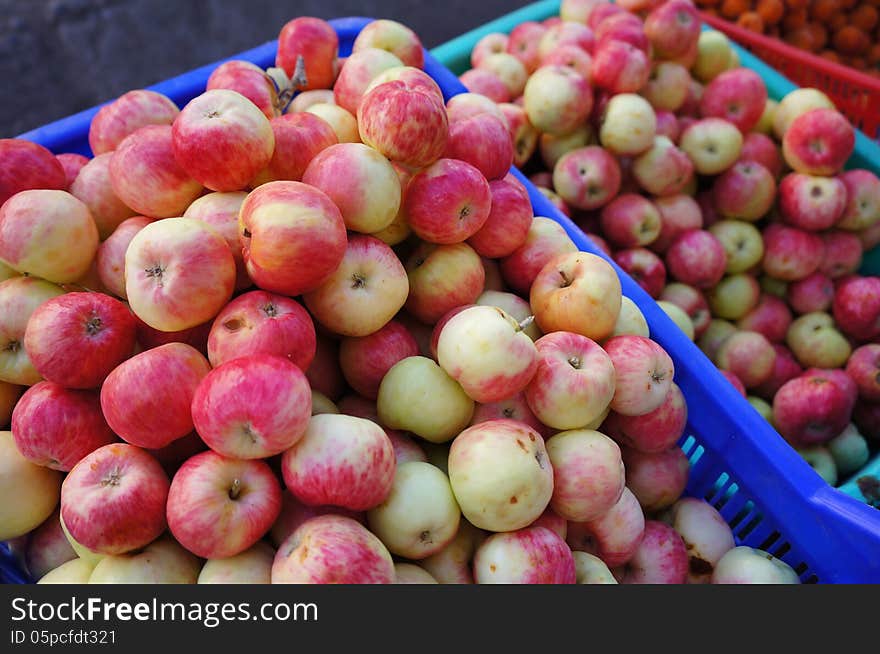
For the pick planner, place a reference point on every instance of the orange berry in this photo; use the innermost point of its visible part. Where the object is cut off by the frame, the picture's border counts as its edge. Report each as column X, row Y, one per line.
column 850, row 40
column 751, row 20
column 824, row 9
column 800, row 38
column 732, row 9
column 830, row 55
column 819, row 34
column 797, row 4
column 770, row 11
column 874, row 54
column 794, row 19
column 864, row 17
column 837, row 21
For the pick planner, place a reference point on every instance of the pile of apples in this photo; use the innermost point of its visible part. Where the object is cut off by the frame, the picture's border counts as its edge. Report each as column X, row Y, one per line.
column 731, row 210
column 307, row 329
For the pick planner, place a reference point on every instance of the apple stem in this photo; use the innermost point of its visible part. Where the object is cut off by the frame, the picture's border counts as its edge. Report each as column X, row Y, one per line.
column 565, row 280
column 528, row 320
column 299, row 78
column 235, row 490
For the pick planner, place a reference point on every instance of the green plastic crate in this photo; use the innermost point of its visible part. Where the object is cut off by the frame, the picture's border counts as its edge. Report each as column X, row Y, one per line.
column 456, row 55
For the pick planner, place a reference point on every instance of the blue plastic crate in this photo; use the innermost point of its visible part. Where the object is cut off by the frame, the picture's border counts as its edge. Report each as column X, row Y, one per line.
column 770, row 497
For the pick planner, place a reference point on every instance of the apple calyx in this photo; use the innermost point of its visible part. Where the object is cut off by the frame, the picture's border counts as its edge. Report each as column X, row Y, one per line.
column 235, row 489
column 358, row 280
column 113, row 478
column 425, row 537
column 94, row 325
column 156, row 271
column 12, row 346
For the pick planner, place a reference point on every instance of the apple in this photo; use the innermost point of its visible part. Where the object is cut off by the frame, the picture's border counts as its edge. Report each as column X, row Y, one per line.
column 49, row 234
column 791, row 253
column 663, row 169
column 92, row 186
column 75, row 571
column 77, row 339
column 366, row 359
column 293, row 237
column 485, row 82
column 486, row 351
column 354, row 452
column 417, row 395
column 863, row 366
column 667, row 86
column 552, row 147
column 154, row 419
column 219, row 507
column 465, row 105
column 572, row 56
column 706, row 535
column 509, row 220
column 252, row 407
column 500, row 474
column 55, row 426
column 856, row 307
column 690, row 300
column 667, row 125
column 442, row 277
column 509, row 69
column 332, row 549
column 523, row 134
column 404, row 121
column 260, row 322
column 673, row 27
column 590, row 569
column 620, row 67
column 524, row 43
column 713, row 144
column 645, row 267
column 761, row 149
column 394, row 37
column 628, row 125
column 742, row 242
column 748, row 565
column 304, row 100
column 818, row 142
column 613, row 537
column 126, row 114
column 299, row 138
column 785, row 367
column 342, row 122
column 19, row 298
column 810, row 410
column 713, row 55
column 588, row 474
column 770, row 317
column 514, row 407
column 420, row 516
column 812, row 293
column 738, row 96
column 577, row 292
column 660, row 558
column 749, row 356
column 630, row 220
column 487, row 45
column 811, row 203
column 518, row 308
column 533, row 555
column 179, row 273
column 113, row 500
column 308, row 48
column 656, row 479
column 452, row 564
column 578, row 10
column 644, row 373
column 630, row 320
column 734, row 296
column 843, row 253
column 146, row 176
column 557, row 99
column 410, row 573
column 678, row 213
column 28, row 165
column 817, row 342
column 795, row 103
column 251, row 81
column 359, row 69
column 294, row 513
column 36, row 490
column 47, row 548
column 163, row 561
column 252, row 566
column 745, row 191
column 849, row 450
column 862, row 199
column 698, row 258
column 574, row 381
column 484, row 141
column 110, row 258
column 562, row 34
column 448, row 202
column 716, row 333
column 587, row 178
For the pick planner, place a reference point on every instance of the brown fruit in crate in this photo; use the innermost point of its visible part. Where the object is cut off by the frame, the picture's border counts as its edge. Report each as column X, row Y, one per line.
column 859, row 63
column 794, row 19
column 837, row 21
column 865, row 17
column 850, row 40
column 732, row 9
column 751, row 21
column 819, row 34
column 770, row 11
column 848, row 4
column 800, row 38
column 874, row 54
column 830, row 55
column 797, row 4
column 824, row 9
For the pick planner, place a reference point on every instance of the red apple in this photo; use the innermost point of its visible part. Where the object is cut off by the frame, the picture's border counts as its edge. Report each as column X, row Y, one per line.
column 645, row 267
column 652, row 432
column 587, row 178
column 125, row 115
column 678, row 213
column 514, row 407
column 812, row 293
column 154, row 419
column 620, row 67
column 644, row 373
column 92, row 186
column 856, row 307
column 315, row 44
column 770, row 317
column 442, row 277
column 219, row 507
column 394, row 37
column 324, row 373
column 657, row 479
column 557, row 99
column 660, row 558
column 510, row 217
column 785, row 367
column 697, row 258
column 790, row 253
column 614, row 536
column 293, row 237
column 485, row 82
column 357, row 72
column 811, row 203
column 692, row 301
column 630, row 220
column 113, row 500
column 110, row 258
column 843, row 253
column 299, row 138
column 809, row 410
column 26, row 166
column 77, row 339
column 673, row 27
column 761, row 149
column 862, row 199
column 524, row 42
column 533, row 555
column 487, row 45
column 482, row 141
column 48, row 547
column 365, row 360
column 745, row 191
column 251, row 81
column 738, row 95
column 818, row 142
column 72, row 163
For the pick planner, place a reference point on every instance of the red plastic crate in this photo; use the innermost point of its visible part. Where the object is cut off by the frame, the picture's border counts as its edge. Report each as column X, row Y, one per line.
column 854, row 93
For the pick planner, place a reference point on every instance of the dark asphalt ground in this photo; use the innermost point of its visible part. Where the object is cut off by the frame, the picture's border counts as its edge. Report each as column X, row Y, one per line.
column 58, row 57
